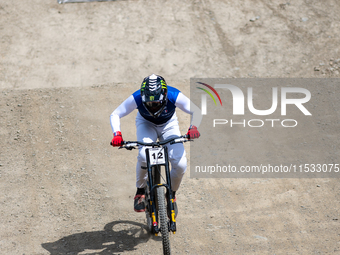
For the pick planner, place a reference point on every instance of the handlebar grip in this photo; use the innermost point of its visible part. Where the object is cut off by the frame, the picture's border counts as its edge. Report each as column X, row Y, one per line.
column 123, row 143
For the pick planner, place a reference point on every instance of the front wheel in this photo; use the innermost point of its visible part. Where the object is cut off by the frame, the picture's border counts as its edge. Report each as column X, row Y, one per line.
column 163, row 220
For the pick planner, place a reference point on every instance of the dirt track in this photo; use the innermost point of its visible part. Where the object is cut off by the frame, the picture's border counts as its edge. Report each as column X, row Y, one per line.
column 64, row 68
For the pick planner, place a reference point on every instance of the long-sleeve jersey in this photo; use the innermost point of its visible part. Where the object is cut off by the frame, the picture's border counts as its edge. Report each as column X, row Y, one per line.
column 175, row 99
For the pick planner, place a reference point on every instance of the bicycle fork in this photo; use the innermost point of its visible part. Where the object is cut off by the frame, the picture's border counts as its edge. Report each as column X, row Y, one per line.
column 155, row 171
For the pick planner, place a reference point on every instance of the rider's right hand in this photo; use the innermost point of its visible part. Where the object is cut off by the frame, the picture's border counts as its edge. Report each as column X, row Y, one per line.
column 117, row 139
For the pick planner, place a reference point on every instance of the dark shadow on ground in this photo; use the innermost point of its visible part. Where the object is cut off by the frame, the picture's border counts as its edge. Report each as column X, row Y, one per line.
column 117, row 236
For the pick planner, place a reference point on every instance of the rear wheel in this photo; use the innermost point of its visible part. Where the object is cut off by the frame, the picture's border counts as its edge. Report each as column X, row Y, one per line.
column 163, row 220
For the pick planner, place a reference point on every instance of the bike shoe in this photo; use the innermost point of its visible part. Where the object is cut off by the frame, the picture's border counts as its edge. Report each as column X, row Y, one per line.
column 139, row 203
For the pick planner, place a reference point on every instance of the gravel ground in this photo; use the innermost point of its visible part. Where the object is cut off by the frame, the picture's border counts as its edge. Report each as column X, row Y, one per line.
column 63, row 70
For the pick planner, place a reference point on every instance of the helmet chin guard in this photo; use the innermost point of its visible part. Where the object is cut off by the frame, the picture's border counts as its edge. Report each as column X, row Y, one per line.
column 154, row 93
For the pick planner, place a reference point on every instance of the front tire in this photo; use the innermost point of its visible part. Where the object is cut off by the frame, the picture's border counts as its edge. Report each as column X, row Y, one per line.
column 163, row 221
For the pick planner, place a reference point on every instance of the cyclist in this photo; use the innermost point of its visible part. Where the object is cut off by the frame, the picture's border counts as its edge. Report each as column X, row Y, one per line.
column 156, row 118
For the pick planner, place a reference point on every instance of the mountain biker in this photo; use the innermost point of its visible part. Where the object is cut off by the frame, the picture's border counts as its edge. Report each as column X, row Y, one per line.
column 156, row 118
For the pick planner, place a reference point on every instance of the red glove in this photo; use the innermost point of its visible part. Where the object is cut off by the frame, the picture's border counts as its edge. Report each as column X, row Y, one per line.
column 193, row 132
column 117, row 139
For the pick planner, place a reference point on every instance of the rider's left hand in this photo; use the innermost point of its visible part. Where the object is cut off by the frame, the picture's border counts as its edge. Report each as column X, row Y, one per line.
column 193, row 132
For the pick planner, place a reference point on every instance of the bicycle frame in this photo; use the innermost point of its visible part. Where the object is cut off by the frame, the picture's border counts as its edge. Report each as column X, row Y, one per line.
column 160, row 215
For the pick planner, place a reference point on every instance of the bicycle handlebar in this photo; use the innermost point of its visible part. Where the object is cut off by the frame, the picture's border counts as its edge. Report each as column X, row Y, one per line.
column 132, row 144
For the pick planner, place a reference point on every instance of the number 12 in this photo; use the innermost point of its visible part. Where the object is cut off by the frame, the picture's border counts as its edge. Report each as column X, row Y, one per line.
column 159, row 155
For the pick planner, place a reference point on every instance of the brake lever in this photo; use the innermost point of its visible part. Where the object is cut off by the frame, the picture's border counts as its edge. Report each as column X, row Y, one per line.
column 128, row 148
column 183, row 140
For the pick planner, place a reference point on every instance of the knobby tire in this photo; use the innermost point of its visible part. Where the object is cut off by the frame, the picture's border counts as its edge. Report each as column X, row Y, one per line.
column 163, row 221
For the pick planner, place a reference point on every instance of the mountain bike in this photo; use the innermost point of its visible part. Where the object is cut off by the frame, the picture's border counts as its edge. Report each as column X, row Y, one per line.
column 160, row 213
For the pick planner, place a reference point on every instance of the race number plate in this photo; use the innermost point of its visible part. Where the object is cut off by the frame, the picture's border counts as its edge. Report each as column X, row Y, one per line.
column 156, row 156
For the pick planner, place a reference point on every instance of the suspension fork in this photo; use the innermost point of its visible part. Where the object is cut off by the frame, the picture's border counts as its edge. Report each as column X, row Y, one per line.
column 170, row 199
column 152, row 197
column 153, row 174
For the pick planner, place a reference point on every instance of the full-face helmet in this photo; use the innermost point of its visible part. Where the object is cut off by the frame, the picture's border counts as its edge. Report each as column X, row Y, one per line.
column 154, row 94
